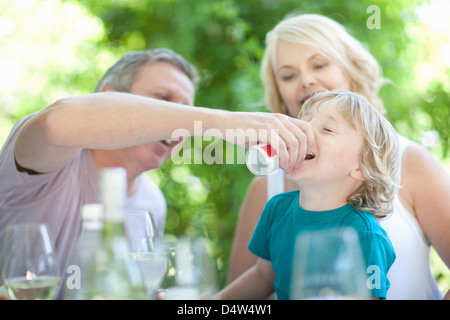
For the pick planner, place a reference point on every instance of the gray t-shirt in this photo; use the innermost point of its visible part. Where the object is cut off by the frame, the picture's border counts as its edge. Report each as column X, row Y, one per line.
column 57, row 198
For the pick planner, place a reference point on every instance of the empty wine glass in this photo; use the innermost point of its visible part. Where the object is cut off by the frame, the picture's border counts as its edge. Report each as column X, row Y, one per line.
column 145, row 249
column 190, row 273
column 328, row 264
column 30, row 269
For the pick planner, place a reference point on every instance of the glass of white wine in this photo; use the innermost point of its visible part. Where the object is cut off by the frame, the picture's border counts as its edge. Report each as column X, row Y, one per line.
column 191, row 273
column 30, row 268
column 145, row 249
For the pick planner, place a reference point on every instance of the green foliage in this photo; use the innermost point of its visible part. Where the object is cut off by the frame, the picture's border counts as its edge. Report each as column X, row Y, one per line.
column 76, row 42
column 204, row 200
column 435, row 102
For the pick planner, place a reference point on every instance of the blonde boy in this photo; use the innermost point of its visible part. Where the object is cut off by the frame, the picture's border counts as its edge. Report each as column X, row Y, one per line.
column 348, row 180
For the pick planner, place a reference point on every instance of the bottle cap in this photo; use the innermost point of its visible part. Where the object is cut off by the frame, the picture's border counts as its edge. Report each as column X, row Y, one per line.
column 92, row 214
column 113, row 191
column 262, row 160
column 92, row 211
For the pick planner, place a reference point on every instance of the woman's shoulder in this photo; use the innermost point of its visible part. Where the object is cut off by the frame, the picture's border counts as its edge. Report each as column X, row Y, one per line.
column 412, row 151
column 421, row 174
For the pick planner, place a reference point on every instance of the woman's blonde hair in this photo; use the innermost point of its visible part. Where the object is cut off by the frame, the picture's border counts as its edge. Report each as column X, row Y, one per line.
column 379, row 159
column 330, row 39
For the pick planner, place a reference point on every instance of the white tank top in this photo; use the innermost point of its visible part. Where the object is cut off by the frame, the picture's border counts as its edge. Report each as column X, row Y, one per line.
column 410, row 275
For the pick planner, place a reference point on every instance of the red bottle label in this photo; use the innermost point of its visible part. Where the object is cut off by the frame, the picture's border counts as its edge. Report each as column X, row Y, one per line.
column 268, row 149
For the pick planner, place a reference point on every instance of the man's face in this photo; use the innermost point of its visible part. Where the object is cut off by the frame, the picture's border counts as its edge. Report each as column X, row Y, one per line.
column 164, row 81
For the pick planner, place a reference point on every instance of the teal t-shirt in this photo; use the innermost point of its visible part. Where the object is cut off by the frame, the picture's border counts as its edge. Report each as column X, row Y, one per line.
column 283, row 219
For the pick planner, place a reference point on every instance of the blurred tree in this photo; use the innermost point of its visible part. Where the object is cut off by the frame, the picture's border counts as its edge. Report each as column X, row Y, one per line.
column 435, row 103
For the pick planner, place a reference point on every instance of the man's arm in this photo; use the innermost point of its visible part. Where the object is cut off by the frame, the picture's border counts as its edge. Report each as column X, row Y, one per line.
column 114, row 120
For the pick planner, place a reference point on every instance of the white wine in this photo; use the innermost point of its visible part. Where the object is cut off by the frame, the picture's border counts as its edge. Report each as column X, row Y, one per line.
column 39, row 288
column 153, row 267
column 182, row 293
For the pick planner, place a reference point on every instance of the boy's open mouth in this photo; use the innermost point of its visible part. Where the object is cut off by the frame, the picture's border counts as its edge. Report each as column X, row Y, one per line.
column 310, row 156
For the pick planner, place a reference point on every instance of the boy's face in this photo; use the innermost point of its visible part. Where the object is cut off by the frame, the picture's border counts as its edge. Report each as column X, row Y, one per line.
column 337, row 150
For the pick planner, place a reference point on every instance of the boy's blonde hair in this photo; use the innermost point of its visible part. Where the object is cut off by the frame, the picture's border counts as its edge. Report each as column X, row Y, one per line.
column 331, row 40
column 379, row 159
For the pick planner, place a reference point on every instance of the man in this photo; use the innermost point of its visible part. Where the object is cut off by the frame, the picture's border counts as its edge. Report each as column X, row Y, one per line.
column 49, row 164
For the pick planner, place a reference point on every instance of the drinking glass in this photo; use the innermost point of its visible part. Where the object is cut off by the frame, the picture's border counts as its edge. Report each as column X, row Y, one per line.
column 30, row 269
column 190, row 274
column 145, row 249
column 328, row 264
column 140, row 230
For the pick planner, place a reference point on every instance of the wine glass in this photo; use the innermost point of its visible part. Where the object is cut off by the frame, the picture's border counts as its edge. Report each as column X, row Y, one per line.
column 30, row 269
column 140, row 231
column 328, row 264
column 145, row 249
column 190, row 273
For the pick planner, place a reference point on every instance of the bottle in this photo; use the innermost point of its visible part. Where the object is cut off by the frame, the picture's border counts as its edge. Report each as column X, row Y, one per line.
column 113, row 273
column 83, row 253
column 262, row 160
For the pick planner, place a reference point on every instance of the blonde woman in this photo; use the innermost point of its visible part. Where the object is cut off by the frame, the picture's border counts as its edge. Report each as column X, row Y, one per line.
column 348, row 182
column 307, row 52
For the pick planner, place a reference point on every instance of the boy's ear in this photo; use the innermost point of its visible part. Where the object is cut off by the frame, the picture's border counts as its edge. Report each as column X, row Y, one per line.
column 357, row 174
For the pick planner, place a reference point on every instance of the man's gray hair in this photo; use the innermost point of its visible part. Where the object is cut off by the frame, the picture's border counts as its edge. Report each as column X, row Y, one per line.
column 126, row 70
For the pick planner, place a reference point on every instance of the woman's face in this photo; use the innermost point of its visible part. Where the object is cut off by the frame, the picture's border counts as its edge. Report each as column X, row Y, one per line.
column 299, row 71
